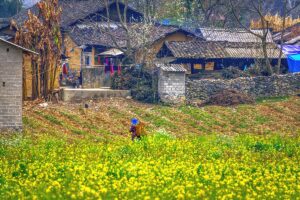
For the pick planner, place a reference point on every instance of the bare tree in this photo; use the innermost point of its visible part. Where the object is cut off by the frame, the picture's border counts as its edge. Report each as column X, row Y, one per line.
column 288, row 7
column 279, row 23
column 41, row 33
column 133, row 37
column 256, row 8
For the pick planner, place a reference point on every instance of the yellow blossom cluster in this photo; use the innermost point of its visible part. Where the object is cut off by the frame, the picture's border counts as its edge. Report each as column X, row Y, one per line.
column 157, row 167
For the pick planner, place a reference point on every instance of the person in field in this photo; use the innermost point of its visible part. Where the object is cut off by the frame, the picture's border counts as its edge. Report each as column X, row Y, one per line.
column 136, row 129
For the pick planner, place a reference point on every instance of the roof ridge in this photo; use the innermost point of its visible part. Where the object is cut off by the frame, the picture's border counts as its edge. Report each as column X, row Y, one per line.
column 18, row 46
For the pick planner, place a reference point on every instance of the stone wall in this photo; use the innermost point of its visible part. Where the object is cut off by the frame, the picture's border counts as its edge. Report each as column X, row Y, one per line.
column 11, row 59
column 171, row 86
column 277, row 85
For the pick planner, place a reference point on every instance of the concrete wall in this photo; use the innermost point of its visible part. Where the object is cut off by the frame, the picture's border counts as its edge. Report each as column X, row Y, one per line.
column 79, row 95
column 171, row 86
column 94, row 78
column 277, row 85
column 11, row 59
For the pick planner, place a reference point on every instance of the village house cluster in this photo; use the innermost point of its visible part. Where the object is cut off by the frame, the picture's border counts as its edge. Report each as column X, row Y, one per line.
column 93, row 48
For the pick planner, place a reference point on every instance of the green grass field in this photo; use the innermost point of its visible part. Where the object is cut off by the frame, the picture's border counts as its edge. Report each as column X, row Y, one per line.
column 67, row 152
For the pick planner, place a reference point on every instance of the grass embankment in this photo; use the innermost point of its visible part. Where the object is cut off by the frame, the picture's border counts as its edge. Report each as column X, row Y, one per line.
column 246, row 152
column 107, row 119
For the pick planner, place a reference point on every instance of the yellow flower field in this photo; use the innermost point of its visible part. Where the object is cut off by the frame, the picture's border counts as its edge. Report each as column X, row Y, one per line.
column 243, row 152
column 158, row 167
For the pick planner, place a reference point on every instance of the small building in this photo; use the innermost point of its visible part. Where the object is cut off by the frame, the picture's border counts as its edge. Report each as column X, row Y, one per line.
column 200, row 56
column 11, row 62
column 171, row 83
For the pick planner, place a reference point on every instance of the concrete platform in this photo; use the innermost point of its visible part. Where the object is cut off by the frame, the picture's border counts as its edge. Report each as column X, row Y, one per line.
column 76, row 95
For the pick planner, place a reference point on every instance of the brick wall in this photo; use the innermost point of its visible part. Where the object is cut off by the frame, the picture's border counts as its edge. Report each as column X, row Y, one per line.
column 11, row 59
column 171, row 86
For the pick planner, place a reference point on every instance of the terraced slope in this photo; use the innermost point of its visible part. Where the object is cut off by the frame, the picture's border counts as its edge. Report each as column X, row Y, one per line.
column 106, row 119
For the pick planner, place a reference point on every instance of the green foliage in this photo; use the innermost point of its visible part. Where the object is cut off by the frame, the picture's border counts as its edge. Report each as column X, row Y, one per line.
column 233, row 72
column 53, row 119
column 140, row 81
column 272, row 99
column 160, row 166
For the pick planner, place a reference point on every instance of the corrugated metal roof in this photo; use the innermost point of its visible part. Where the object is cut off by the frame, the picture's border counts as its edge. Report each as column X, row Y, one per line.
column 171, row 67
column 233, row 35
column 252, row 53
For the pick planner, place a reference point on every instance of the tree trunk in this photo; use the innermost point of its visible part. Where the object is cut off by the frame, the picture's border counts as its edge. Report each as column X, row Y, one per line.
column 266, row 57
column 277, row 68
column 34, row 81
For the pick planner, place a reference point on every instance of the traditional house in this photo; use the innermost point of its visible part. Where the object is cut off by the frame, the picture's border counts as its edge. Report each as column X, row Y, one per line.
column 88, row 36
column 11, row 61
column 222, row 48
column 91, row 40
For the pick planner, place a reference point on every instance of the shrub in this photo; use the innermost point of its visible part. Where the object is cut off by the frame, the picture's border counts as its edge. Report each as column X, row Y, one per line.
column 233, row 72
column 255, row 70
column 140, row 81
column 229, row 97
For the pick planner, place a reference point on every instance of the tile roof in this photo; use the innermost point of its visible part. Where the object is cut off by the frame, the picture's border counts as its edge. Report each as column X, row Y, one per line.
column 73, row 10
column 214, row 50
column 233, row 35
column 291, row 35
column 171, row 67
column 196, row 49
column 99, row 34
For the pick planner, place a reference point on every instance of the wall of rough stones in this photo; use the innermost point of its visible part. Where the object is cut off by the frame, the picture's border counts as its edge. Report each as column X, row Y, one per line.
column 11, row 59
column 277, row 85
column 171, row 86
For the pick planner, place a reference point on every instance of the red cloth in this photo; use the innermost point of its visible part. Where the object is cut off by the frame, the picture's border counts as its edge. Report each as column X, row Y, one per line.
column 119, row 69
column 112, row 71
column 99, row 60
column 106, row 65
column 65, row 69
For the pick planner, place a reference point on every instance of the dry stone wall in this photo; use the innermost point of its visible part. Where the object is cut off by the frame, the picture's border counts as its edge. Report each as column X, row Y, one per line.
column 272, row 86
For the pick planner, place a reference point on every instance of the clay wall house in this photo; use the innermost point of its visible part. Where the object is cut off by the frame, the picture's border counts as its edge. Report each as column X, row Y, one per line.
column 83, row 39
column 95, row 41
column 73, row 12
column 221, row 48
